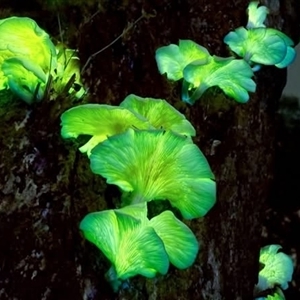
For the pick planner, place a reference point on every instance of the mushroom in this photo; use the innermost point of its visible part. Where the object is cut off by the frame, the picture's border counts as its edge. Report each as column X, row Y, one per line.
column 159, row 113
column 157, row 165
column 132, row 246
column 100, row 121
column 277, row 268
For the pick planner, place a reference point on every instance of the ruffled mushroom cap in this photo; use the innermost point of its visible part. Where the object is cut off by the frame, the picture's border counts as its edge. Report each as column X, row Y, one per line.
column 266, row 46
column 260, row 45
column 277, row 270
column 160, row 114
column 201, row 71
column 24, row 78
column 231, row 75
column 99, row 121
column 180, row 242
column 22, row 37
column 132, row 247
column 172, row 59
column 156, row 165
column 256, row 15
column 135, row 245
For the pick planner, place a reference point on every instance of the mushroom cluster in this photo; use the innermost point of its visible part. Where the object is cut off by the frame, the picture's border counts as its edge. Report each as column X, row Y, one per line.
column 144, row 146
column 31, row 66
column 256, row 44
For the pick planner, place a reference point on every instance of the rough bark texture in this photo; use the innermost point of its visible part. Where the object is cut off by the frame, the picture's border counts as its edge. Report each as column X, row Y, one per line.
column 46, row 185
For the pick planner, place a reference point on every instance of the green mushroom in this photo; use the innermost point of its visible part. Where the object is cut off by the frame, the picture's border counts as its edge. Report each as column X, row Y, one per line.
column 266, row 46
column 68, row 69
column 231, row 75
column 159, row 113
column 200, row 71
column 260, row 45
column 100, row 121
column 180, row 242
column 22, row 37
column 136, row 245
column 256, row 15
column 157, row 165
column 25, row 79
column 27, row 50
column 172, row 59
column 277, row 270
column 132, row 246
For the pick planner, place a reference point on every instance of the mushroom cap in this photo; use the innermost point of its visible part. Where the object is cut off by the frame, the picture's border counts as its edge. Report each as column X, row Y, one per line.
column 278, row 268
column 24, row 78
column 256, row 15
column 266, row 46
column 159, row 113
column 180, row 242
column 231, row 75
column 132, row 246
column 99, row 121
column 157, row 165
column 22, row 37
column 172, row 59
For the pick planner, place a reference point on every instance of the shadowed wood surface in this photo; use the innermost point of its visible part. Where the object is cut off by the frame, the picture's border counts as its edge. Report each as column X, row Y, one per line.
column 46, row 186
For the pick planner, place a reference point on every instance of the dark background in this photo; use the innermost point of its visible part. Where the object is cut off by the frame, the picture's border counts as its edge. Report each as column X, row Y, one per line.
column 281, row 216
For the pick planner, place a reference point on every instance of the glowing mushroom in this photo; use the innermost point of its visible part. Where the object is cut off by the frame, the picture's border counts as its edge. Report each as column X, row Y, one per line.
column 24, row 78
column 172, row 59
column 266, row 46
column 132, row 246
column 277, row 268
column 156, row 165
column 160, row 114
column 136, row 245
column 258, row 44
column 100, row 121
column 231, row 75
column 22, row 37
column 201, row 71
column 180, row 242
column 256, row 15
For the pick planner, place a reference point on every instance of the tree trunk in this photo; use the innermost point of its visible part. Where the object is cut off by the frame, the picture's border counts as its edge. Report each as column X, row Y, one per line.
column 46, row 185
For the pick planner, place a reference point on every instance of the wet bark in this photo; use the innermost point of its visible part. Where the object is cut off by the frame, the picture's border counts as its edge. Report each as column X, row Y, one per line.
column 46, row 186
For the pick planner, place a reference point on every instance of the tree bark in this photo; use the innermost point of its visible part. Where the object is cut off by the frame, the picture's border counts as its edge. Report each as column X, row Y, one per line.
column 46, row 185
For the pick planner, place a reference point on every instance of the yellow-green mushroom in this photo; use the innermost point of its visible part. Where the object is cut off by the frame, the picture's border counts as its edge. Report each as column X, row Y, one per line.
column 172, row 59
column 256, row 15
column 200, row 71
column 180, row 242
column 99, row 121
column 232, row 76
column 260, row 45
column 277, row 268
column 157, row 165
column 132, row 246
column 136, row 245
column 24, row 78
column 22, row 37
column 159, row 113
